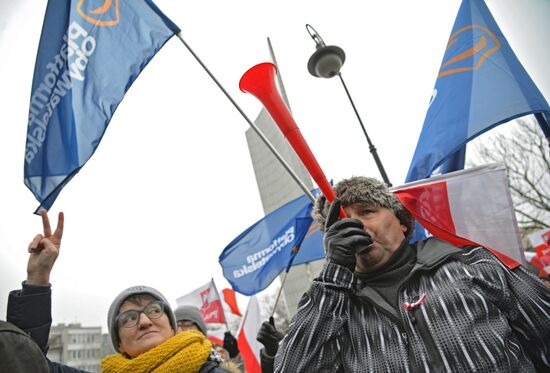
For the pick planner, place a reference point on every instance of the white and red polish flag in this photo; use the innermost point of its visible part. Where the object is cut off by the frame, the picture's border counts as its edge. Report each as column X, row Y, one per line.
column 468, row 207
column 541, row 243
column 249, row 347
column 207, row 299
column 230, row 299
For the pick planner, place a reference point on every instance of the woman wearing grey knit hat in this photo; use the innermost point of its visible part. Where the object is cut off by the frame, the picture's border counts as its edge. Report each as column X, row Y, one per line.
column 141, row 322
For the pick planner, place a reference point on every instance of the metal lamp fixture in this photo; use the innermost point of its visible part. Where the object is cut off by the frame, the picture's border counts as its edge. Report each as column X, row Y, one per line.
column 326, row 62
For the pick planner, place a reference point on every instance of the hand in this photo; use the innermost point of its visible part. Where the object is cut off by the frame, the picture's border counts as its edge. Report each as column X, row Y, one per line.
column 269, row 337
column 230, row 344
column 344, row 238
column 44, row 250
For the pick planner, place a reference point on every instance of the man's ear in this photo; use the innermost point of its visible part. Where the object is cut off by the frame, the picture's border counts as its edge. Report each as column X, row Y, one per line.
column 404, row 229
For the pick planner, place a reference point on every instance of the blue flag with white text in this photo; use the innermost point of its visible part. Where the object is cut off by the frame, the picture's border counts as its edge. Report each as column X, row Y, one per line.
column 89, row 55
column 480, row 85
column 258, row 255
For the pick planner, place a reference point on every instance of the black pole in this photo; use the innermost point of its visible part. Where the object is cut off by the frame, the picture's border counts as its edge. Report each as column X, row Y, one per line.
column 544, row 126
column 372, row 148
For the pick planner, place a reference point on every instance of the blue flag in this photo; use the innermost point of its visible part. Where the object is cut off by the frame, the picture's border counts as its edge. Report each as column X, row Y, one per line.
column 90, row 53
column 480, row 85
column 257, row 256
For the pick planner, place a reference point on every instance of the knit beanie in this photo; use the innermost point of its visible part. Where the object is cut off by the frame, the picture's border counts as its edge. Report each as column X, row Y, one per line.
column 365, row 190
column 191, row 313
column 125, row 294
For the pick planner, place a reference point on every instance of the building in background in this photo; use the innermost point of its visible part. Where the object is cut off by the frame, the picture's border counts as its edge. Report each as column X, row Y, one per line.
column 106, row 345
column 76, row 346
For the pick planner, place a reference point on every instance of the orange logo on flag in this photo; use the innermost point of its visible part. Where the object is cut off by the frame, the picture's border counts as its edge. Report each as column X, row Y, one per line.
column 313, row 228
column 487, row 44
column 104, row 15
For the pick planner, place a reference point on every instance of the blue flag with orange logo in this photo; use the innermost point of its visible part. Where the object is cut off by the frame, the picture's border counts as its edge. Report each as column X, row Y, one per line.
column 256, row 257
column 90, row 53
column 480, row 85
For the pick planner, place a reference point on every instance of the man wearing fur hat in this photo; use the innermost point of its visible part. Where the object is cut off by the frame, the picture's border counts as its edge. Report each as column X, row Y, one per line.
column 382, row 304
column 141, row 322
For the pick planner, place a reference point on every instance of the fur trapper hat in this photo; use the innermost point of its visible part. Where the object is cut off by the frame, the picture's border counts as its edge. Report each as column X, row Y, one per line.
column 365, row 190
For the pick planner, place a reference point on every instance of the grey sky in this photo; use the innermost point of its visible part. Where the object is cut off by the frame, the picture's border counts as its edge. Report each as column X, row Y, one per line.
column 171, row 183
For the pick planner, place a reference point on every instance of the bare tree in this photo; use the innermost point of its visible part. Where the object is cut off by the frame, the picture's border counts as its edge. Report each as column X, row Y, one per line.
column 525, row 152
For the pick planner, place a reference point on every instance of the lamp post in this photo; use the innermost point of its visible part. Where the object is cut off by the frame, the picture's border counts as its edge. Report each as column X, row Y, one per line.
column 326, row 62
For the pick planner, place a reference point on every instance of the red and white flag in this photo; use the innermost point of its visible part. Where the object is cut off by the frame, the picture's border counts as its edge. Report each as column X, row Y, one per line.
column 466, row 207
column 207, row 299
column 230, row 299
column 541, row 243
column 249, row 347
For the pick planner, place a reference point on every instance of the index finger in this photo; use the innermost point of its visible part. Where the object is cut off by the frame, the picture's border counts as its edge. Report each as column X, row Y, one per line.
column 46, row 223
column 333, row 213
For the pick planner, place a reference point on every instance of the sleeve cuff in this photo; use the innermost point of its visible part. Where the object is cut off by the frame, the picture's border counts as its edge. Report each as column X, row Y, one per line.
column 30, row 289
column 337, row 276
column 266, row 356
column 30, row 310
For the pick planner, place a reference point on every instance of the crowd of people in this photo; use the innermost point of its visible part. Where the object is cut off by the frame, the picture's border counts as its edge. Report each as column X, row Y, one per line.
column 380, row 304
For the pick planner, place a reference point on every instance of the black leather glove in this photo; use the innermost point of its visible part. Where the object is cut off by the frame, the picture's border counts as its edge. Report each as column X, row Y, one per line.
column 269, row 337
column 230, row 344
column 344, row 238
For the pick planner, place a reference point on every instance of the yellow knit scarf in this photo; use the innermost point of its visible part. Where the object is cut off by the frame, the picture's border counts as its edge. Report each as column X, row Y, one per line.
column 184, row 352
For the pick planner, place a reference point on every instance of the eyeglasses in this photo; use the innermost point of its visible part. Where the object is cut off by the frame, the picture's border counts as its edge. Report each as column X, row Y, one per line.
column 130, row 318
column 186, row 325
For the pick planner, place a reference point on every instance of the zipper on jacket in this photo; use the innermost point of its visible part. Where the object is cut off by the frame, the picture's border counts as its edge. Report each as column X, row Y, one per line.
column 410, row 360
column 433, row 353
column 419, row 323
column 406, row 339
column 411, row 316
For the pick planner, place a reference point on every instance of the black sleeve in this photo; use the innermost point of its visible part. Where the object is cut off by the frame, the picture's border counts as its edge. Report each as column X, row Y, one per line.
column 314, row 338
column 30, row 310
column 267, row 362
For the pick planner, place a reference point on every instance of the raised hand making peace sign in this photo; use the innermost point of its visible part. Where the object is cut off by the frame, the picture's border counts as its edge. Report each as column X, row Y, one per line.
column 44, row 250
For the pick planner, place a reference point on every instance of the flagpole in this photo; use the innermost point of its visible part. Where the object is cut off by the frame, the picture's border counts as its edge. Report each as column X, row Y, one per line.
column 279, row 293
column 218, row 294
column 306, row 191
column 544, row 125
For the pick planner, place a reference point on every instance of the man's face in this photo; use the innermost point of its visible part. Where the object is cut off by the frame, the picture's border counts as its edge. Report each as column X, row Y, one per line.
column 386, row 232
column 147, row 333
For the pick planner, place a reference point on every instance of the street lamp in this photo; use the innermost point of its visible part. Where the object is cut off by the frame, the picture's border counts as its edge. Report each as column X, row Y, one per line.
column 326, row 62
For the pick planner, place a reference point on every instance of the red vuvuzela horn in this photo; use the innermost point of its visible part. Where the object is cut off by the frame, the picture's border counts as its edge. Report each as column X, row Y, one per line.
column 260, row 82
